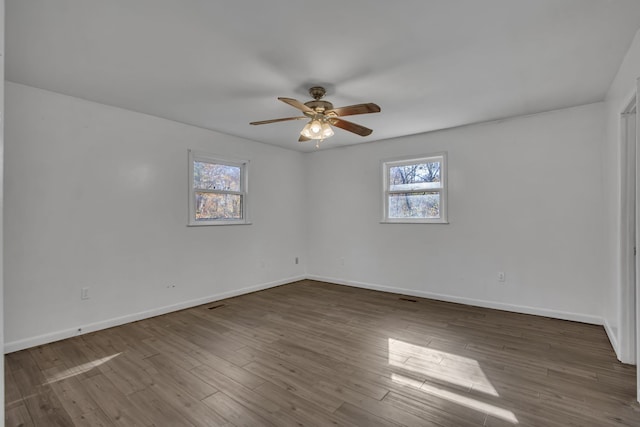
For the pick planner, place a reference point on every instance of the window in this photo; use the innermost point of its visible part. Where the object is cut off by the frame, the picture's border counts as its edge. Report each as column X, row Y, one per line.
column 415, row 190
column 217, row 190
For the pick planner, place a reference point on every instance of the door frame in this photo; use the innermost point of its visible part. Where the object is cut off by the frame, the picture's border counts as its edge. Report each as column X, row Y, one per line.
column 628, row 234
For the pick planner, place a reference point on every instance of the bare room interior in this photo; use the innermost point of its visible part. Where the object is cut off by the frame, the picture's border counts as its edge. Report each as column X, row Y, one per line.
column 286, row 213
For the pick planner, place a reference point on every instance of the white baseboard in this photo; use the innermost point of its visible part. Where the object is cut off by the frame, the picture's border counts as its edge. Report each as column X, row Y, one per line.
column 613, row 339
column 576, row 317
column 12, row 346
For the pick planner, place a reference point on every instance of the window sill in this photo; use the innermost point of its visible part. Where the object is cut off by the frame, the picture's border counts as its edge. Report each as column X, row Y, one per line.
column 414, row 222
column 217, row 224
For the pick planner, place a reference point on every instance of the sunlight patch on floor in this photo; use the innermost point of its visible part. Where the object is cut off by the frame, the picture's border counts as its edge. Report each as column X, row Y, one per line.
column 458, row 370
column 80, row 369
column 471, row 403
column 406, row 381
column 425, row 361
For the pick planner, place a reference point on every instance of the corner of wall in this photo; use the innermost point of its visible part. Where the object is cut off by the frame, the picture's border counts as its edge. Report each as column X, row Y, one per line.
column 613, row 339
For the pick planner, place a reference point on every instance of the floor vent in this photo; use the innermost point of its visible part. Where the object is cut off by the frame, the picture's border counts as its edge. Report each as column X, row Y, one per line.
column 408, row 299
column 213, row 307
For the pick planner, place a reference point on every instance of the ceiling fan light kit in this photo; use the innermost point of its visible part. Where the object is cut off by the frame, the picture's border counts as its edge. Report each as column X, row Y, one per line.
column 322, row 116
column 317, row 128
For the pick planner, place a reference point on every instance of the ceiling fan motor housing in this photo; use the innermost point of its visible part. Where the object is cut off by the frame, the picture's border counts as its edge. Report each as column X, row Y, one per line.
column 319, row 106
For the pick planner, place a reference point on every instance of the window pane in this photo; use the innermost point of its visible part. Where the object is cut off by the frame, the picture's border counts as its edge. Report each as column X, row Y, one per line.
column 414, row 205
column 211, row 176
column 218, row 206
column 420, row 176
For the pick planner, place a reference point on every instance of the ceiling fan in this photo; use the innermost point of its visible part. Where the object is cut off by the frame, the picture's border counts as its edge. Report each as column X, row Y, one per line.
column 322, row 116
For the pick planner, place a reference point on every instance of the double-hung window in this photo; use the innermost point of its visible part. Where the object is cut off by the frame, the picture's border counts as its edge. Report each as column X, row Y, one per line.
column 415, row 190
column 217, row 190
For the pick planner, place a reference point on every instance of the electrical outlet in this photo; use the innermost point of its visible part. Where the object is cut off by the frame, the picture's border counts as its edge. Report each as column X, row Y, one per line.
column 297, row 261
column 84, row 293
column 501, row 276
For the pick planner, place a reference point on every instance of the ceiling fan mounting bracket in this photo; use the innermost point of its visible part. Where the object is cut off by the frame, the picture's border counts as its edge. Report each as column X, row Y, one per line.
column 317, row 92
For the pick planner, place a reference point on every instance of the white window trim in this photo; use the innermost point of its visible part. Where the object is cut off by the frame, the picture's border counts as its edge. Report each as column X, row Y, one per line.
column 388, row 163
column 244, row 184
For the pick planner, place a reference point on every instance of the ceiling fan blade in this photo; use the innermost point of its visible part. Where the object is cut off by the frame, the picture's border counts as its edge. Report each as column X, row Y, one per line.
column 303, row 138
column 297, row 104
column 264, row 122
column 349, row 126
column 352, row 110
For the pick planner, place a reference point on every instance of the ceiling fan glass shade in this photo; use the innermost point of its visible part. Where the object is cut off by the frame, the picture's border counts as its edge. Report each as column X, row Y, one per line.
column 316, row 129
column 326, row 130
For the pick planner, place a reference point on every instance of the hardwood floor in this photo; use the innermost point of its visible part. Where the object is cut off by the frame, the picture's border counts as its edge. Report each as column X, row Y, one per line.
column 316, row 354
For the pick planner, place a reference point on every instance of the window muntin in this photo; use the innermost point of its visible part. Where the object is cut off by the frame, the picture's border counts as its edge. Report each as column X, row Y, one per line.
column 415, row 190
column 217, row 190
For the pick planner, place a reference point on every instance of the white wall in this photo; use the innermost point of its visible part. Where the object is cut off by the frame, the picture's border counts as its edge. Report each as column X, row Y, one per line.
column 525, row 198
column 97, row 197
column 618, row 96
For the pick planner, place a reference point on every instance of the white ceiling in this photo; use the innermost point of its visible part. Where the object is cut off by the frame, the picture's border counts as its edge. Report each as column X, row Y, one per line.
column 429, row 64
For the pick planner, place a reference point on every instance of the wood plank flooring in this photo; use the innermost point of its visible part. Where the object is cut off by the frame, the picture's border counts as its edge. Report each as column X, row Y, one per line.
column 317, row 354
